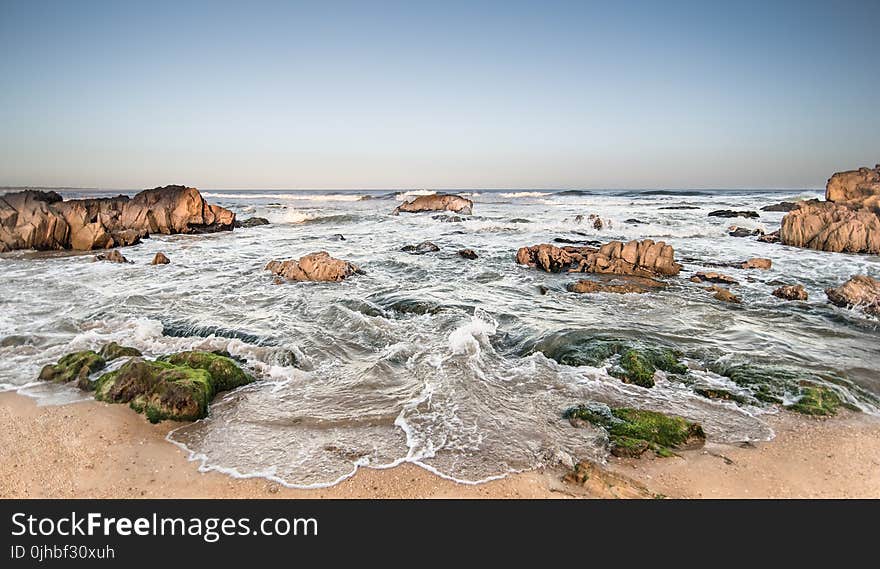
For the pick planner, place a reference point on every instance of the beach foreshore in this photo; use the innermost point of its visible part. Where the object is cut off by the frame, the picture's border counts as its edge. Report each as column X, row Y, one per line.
column 96, row 450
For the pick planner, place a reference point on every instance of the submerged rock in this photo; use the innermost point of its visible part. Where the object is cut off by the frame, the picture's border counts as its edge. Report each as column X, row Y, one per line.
column 436, row 202
column 860, row 291
column 732, row 213
column 160, row 259
column 757, row 263
column 631, row 432
column 636, row 258
column 468, row 254
column 585, row 286
column 448, row 218
column 712, row 277
column 781, row 206
column 318, row 266
column 791, row 292
column 817, row 400
column 252, row 222
column 724, row 294
column 420, row 249
column 113, row 256
column 679, row 207
column 770, row 237
column 163, row 390
column 744, row 232
column 44, row 221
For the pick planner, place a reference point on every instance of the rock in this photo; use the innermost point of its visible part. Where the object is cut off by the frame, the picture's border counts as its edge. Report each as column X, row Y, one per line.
column 160, row 259
column 831, row 227
column 448, row 218
column 76, row 366
column 679, row 207
column 860, row 291
column 791, row 292
column 519, row 220
column 468, row 254
column 631, row 432
column 723, row 294
column 597, row 224
column 770, row 237
column 635, row 258
column 711, row 277
column 43, row 221
column 113, row 351
column 634, row 221
column 113, row 256
column 816, row 400
column 757, row 263
column 585, row 286
column 732, row 213
column 436, row 202
column 337, row 237
column 744, row 232
column 420, row 249
column 163, row 390
column 781, row 206
column 318, row 266
column 252, row 222
column 543, row 289
column 579, row 218
column 581, row 242
column 855, row 188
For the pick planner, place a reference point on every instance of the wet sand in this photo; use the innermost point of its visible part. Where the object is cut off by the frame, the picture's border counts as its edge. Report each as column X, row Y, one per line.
column 97, row 450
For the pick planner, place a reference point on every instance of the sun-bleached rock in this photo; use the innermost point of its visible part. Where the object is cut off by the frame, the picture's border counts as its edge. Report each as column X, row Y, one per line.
column 318, row 266
column 644, row 258
column 436, row 202
column 859, row 291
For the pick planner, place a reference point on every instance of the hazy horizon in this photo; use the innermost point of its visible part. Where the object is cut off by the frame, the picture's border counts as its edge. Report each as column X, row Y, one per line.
column 458, row 95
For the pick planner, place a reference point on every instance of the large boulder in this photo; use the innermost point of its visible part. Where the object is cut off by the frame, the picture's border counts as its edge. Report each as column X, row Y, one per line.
column 436, row 202
column 859, row 291
column 44, row 221
column 644, row 258
column 847, row 222
column 318, row 266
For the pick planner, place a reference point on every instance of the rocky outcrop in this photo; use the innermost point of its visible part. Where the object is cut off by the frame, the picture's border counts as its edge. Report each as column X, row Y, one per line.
column 44, row 221
column 791, row 292
column 160, row 259
column 757, row 263
column 847, row 222
column 318, row 266
column 855, row 188
column 469, row 254
column 113, row 256
column 636, row 258
column 833, row 227
column 421, row 248
column 781, row 206
column 732, row 213
column 436, row 202
column 860, row 291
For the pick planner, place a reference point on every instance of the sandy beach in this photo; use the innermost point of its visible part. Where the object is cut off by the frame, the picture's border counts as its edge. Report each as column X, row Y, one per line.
column 95, row 450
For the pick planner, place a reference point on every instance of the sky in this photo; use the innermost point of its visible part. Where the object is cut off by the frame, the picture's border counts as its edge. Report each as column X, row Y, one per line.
column 375, row 95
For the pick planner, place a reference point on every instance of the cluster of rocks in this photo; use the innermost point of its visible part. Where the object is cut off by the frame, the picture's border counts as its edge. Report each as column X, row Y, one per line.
column 44, row 221
column 847, row 221
column 175, row 387
column 318, row 266
column 644, row 258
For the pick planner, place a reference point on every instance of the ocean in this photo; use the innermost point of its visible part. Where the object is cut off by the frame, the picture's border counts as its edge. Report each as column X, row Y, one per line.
column 434, row 359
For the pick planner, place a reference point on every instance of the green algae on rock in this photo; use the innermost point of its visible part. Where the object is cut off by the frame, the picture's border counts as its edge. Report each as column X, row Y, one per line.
column 165, row 390
column 225, row 373
column 633, row 431
column 113, row 351
column 74, row 366
column 637, row 364
column 816, row 400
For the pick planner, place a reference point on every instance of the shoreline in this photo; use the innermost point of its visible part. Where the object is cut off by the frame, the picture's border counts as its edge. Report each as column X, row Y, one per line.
column 90, row 449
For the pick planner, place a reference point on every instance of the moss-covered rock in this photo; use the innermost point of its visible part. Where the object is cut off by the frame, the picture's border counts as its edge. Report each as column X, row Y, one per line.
column 817, row 400
column 768, row 384
column 718, row 393
column 179, row 389
column 76, row 366
column 113, row 351
column 633, row 431
column 225, row 373
column 637, row 363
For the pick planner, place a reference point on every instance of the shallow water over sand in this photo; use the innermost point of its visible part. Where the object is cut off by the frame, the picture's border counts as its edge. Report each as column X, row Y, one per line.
column 427, row 358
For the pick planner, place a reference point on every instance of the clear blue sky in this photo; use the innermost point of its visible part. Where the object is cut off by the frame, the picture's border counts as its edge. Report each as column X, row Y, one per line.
column 444, row 94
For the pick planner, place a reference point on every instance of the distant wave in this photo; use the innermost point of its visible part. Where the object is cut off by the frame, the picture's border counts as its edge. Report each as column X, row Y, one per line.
column 306, row 197
column 524, row 194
